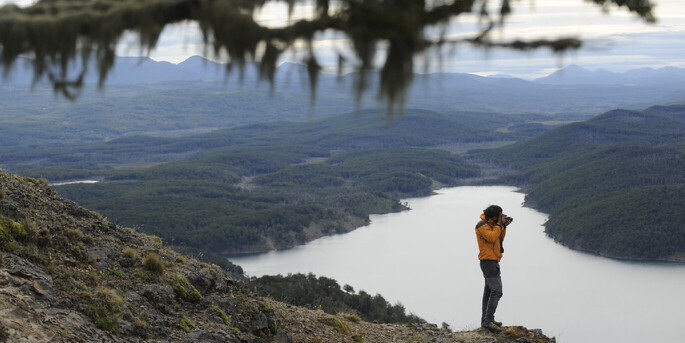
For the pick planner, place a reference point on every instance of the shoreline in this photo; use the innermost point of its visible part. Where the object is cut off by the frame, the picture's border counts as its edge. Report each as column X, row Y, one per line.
column 63, row 183
column 618, row 258
column 258, row 251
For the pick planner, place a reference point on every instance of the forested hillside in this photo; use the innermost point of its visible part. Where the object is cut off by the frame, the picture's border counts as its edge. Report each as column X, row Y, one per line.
column 364, row 130
column 326, row 294
column 275, row 185
column 613, row 185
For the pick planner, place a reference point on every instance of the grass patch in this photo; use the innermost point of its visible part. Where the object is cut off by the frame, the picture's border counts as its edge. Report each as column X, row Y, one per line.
column 153, row 263
column 186, row 324
column 353, row 317
column 145, row 274
column 118, row 273
column 222, row 314
column 74, row 234
column 337, row 324
column 105, row 306
column 185, row 291
column 107, row 324
column 130, row 253
column 157, row 240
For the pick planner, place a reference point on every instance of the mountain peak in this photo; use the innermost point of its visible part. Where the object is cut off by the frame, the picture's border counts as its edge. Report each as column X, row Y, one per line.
column 574, row 68
column 195, row 59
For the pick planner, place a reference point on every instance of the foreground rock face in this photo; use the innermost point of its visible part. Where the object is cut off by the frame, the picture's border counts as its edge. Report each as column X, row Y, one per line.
column 309, row 326
column 68, row 275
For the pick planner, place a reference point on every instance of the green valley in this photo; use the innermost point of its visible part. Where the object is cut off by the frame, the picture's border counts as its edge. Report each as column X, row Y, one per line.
column 277, row 184
column 270, row 185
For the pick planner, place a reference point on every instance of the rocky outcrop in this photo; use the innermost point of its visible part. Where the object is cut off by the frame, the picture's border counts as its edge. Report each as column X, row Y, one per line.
column 307, row 326
column 68, row 275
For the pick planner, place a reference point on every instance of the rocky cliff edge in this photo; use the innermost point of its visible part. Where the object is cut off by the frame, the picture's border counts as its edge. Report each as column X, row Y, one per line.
column 69, row 275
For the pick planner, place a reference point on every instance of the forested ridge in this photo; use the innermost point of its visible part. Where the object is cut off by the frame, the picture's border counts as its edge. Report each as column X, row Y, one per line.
column 613, row 185
column 366, row 129
column 270, row 185
column 326, row 294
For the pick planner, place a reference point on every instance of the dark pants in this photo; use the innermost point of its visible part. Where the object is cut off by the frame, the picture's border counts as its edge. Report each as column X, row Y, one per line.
column 492, row 292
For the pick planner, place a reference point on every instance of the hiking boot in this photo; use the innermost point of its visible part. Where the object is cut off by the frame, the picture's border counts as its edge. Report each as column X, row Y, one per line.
column 497, row 323
column 492, row 327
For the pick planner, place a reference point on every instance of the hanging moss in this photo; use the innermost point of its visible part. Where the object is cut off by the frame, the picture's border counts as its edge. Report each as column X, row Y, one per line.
column 55, row 33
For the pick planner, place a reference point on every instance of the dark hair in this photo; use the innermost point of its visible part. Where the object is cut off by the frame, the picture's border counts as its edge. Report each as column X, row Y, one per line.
column 493, row 211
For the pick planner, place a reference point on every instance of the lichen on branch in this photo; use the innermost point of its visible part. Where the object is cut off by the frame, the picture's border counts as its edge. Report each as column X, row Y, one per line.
column 54, row 33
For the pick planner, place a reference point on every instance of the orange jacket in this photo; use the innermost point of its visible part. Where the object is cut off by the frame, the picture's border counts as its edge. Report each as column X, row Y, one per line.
column 489, row 236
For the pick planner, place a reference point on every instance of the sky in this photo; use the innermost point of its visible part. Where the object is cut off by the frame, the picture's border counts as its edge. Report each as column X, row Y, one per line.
column 616, row 42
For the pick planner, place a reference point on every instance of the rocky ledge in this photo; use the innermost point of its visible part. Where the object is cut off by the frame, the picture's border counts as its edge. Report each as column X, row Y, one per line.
column 68, row 275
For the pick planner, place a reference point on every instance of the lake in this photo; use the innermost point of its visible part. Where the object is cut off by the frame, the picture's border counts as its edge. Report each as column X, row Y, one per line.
column 426, row 259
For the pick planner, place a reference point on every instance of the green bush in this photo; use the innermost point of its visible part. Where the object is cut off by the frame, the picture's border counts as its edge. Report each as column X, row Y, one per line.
column 10, row 230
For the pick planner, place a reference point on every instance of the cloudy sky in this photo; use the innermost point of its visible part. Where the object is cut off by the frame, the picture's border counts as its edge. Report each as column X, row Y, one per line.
column 616, row 42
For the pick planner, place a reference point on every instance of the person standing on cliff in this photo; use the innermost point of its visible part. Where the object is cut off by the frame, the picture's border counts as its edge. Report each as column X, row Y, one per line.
column 490, row 232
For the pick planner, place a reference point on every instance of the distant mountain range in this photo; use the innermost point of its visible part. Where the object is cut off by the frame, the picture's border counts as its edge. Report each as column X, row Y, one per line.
column 576, row 75
column 139, row 70
column 134, row 70
column 573, row 91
